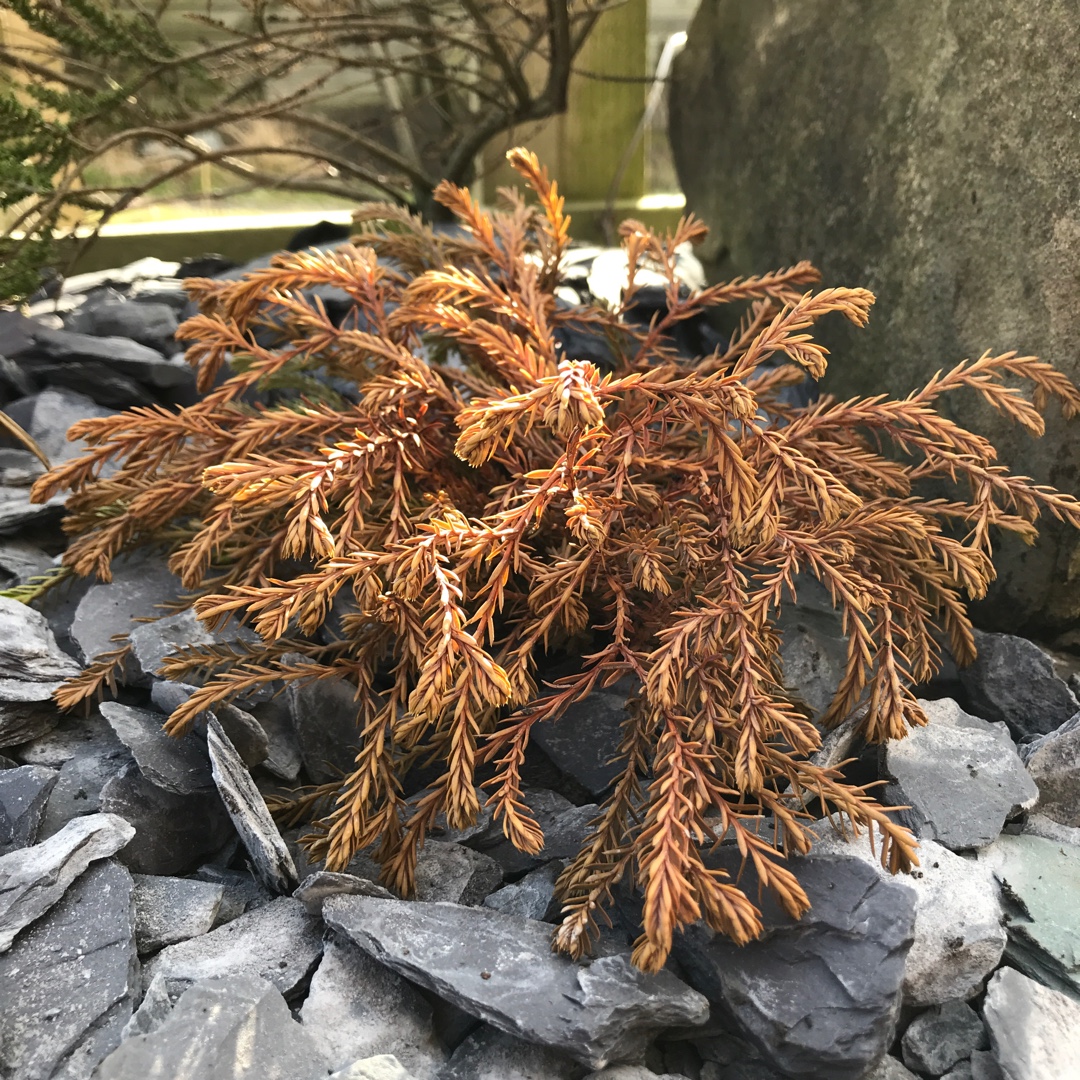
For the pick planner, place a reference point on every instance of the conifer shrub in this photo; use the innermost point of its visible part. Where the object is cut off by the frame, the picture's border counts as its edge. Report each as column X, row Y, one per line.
column 485, row 500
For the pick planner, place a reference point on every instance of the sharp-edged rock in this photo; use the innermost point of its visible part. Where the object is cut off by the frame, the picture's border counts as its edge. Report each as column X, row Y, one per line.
column 565, row 828
column 235, row 1027
column 820, row 995
column 68, row 984
column 153, row 1010
column 47, row 416
column 22, row 561
column 74, row 735
column 152, row 642
column 455, row 873
column 28, row 650
column 1040, row 880
column 245, row 805
column 317, row 887
column 24, row 793
column 145, row 322
column 247, row 735
column 380, row 1067
column 172, row 909
column 16, row 509
column 888, row 1068
column 357, row 1008
column 585, row 739
column 78, row 789
column 324, row 718
column 33, row 879
column 939, row 1038
column 138, row 586
column 813, row 649
column 533, row 897
column 959, row 931
column 282, row 749
column 1054, row 764
column 1013, row 680
column 1034, row 1031
column 960, row 774
column 501, row 968
column 179, row 765
column 242, row 891
column 27, row 710
column 279, row 942
column 173, row 833
column 491, row 1054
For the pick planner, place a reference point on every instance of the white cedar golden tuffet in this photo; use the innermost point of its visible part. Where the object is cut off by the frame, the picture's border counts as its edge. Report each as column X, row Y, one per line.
column 487, row 500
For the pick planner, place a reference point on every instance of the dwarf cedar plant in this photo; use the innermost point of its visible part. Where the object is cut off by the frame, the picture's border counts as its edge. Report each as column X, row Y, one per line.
column 485, row 499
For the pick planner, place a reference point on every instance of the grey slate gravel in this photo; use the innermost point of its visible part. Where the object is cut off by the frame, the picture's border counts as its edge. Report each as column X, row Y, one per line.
column 455, row 873
column 1054, row 764
column 179, row 765
column 28, row 649
column 245, row 806
column 235, row 1027
column 33, row 879
column 490, row 1054
column 279, row 942
column 960, row 774
column 68, row 984
column 820, row 995
column 501, row 968
column 1034, row 1031
column 172, row 909
column 24, row 793
column 27, row 710
column 939, row 1038
column 314, row 890
column 1013, row 680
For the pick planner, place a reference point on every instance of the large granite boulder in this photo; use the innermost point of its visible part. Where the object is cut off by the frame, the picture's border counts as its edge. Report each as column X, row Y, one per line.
column 928, row 152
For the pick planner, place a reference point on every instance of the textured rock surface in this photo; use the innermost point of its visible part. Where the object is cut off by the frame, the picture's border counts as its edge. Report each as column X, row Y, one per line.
column 917, row 150
column 959, row 931
column 179, row 765
column 27, row 710
column 1054, row 764
column 455, row 873
column 490, row 1054
column 237, row 1027
column 317, row 887
column 357, row 1008
column 72, row 735
column 171, row 909
column 1013, row 680
column 502, row 969
column 1040, row 880
column 586, row 737
column 279, row 942
column 173, row 833
column 246, row 807
column 24, row 794
column 68, row 983
column 324, row 719
column 379, row 1067
column 939, row 1038
column 82, row 777
column 533, row 897
column 813, row 651
column 888, row 1068
column 1035, row 1031
column 28, row 649
column 961, row 776
column 153, row 641
column 137, row 587
column 33, row 879
column 821, row 994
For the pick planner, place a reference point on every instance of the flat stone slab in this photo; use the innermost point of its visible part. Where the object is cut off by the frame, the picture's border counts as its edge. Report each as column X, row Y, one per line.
column 357, row 1008
column 33, row 879
column 179, row 765
column 246, row 807
column 501, row 968
column 1013, row 680
column 960, row 774
column 172, row 909
column 279, row 942
column 821, row 995
column 236, row 1027
column 1040, row 880
column 959, row 931
column 1035, row 1031
column 28, row 649
column 68, row 983
column 24, row 793
column 1054, row 764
